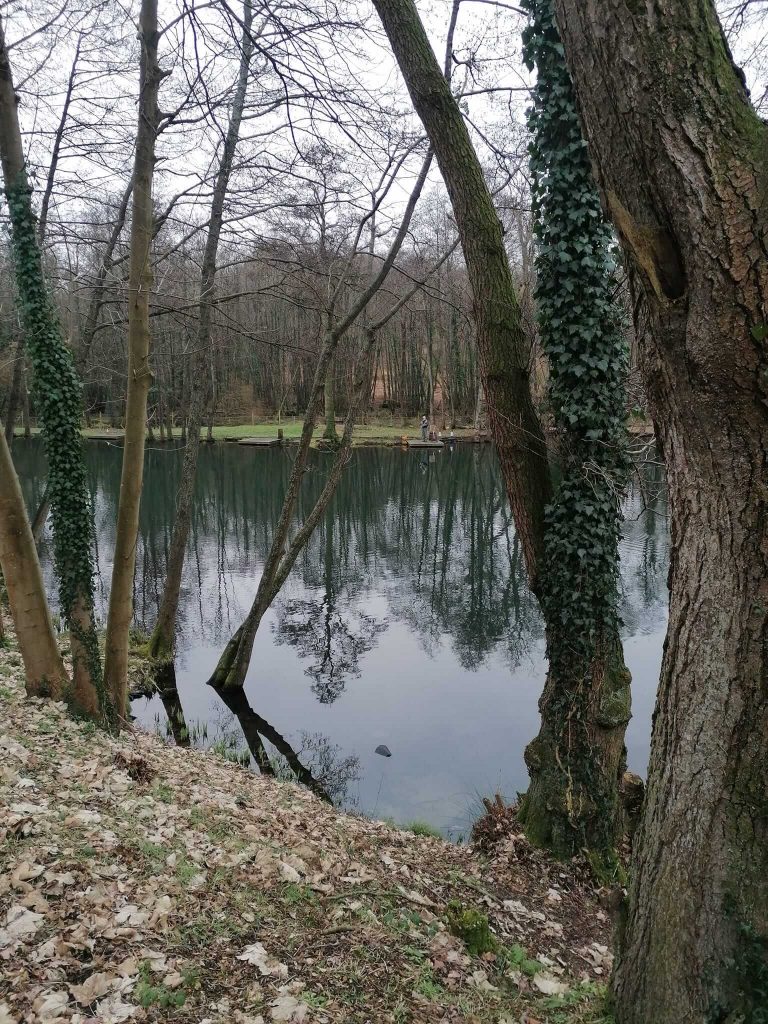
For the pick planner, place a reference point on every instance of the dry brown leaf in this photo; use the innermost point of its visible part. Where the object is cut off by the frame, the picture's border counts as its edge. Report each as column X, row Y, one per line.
column 288, row 1008
column 257, row 955
column 20, row 924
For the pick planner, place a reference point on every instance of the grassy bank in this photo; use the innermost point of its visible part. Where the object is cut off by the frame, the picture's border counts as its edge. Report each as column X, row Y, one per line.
column 147, row 883
column 365, row 433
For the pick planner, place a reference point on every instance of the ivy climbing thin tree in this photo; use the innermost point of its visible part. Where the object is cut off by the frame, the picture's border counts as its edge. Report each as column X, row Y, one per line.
column 575, row 760
column 57, row 400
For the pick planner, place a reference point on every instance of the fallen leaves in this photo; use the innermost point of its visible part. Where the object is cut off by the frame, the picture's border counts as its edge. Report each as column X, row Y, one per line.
column 151, row 883
column 288, row 1008
column 20, row 924
column 257, row 955
column 94, row 987
column 548, row 984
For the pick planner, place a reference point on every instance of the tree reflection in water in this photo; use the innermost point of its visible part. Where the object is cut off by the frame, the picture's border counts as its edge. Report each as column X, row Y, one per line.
column 413, row 547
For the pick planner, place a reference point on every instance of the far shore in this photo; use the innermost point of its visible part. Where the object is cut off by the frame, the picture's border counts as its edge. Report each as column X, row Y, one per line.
column 365, row 434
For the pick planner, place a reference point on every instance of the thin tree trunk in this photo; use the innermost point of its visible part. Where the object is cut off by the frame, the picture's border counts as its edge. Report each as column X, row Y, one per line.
column 57, row 140
column 97, row 294
column 38, row 523
column 681, row 162
column 139, row 374
column 161, row 643
column 43, row 667
column 329, row 434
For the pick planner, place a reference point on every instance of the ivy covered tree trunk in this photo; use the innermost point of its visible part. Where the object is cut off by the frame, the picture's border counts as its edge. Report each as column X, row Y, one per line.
column 57, row 393
column 162, row 640
column 577, row 761
column 139, row 374
column 681, row 159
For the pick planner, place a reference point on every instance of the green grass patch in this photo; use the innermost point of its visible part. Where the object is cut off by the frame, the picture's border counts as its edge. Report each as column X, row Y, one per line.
column 148, row 994
column 163, row 793
column 587, row 1004
column 429, row 987
column 422, row 828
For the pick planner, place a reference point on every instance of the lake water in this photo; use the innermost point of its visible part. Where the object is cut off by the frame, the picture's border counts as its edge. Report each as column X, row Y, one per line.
column 406, row 622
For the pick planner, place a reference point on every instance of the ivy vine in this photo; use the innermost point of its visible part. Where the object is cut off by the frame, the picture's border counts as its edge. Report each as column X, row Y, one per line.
column 581, row 329
column 58, row 404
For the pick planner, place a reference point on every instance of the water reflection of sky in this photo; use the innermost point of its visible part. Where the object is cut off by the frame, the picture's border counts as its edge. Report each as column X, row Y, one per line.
column 407, row 621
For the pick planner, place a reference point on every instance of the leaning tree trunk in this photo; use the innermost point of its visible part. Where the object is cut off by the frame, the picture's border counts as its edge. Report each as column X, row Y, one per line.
column 681, row 159
column 577, row 761
column 139, row 373
column 43, row 667
column 161, row 642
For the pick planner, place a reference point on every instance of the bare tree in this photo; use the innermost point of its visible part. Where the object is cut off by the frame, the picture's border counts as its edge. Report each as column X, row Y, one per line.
column 139, row 373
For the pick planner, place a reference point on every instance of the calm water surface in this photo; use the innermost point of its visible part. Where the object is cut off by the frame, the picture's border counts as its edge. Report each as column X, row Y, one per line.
column 406, row 622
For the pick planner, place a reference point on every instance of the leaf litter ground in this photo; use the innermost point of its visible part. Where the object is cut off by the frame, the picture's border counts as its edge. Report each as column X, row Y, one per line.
column 142, row 882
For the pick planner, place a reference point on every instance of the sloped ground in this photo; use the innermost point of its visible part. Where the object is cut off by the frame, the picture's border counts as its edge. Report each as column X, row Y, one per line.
column 145, row 883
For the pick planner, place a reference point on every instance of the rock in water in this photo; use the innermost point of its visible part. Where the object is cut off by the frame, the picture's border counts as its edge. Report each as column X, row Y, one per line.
column 384, row 750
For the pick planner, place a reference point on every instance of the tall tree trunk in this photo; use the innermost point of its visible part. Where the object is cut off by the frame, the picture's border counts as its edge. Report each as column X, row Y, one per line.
column 574, row 799
column 577, row 761
column 43, row 667
column 161, row 643
column 58, row 403
column 329, row 404
column 681, row 161
column 139, row 373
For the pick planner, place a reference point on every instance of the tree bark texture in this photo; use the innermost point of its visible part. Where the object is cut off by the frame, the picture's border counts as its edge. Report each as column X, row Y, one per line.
column 161, row 643
column 682, row 162
column 139, row 374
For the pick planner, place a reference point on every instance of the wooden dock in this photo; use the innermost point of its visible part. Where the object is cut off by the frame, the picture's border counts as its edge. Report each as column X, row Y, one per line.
column 425, row 444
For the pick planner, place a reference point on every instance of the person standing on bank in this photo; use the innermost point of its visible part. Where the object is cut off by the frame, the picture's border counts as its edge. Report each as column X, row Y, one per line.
column 424, row 428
